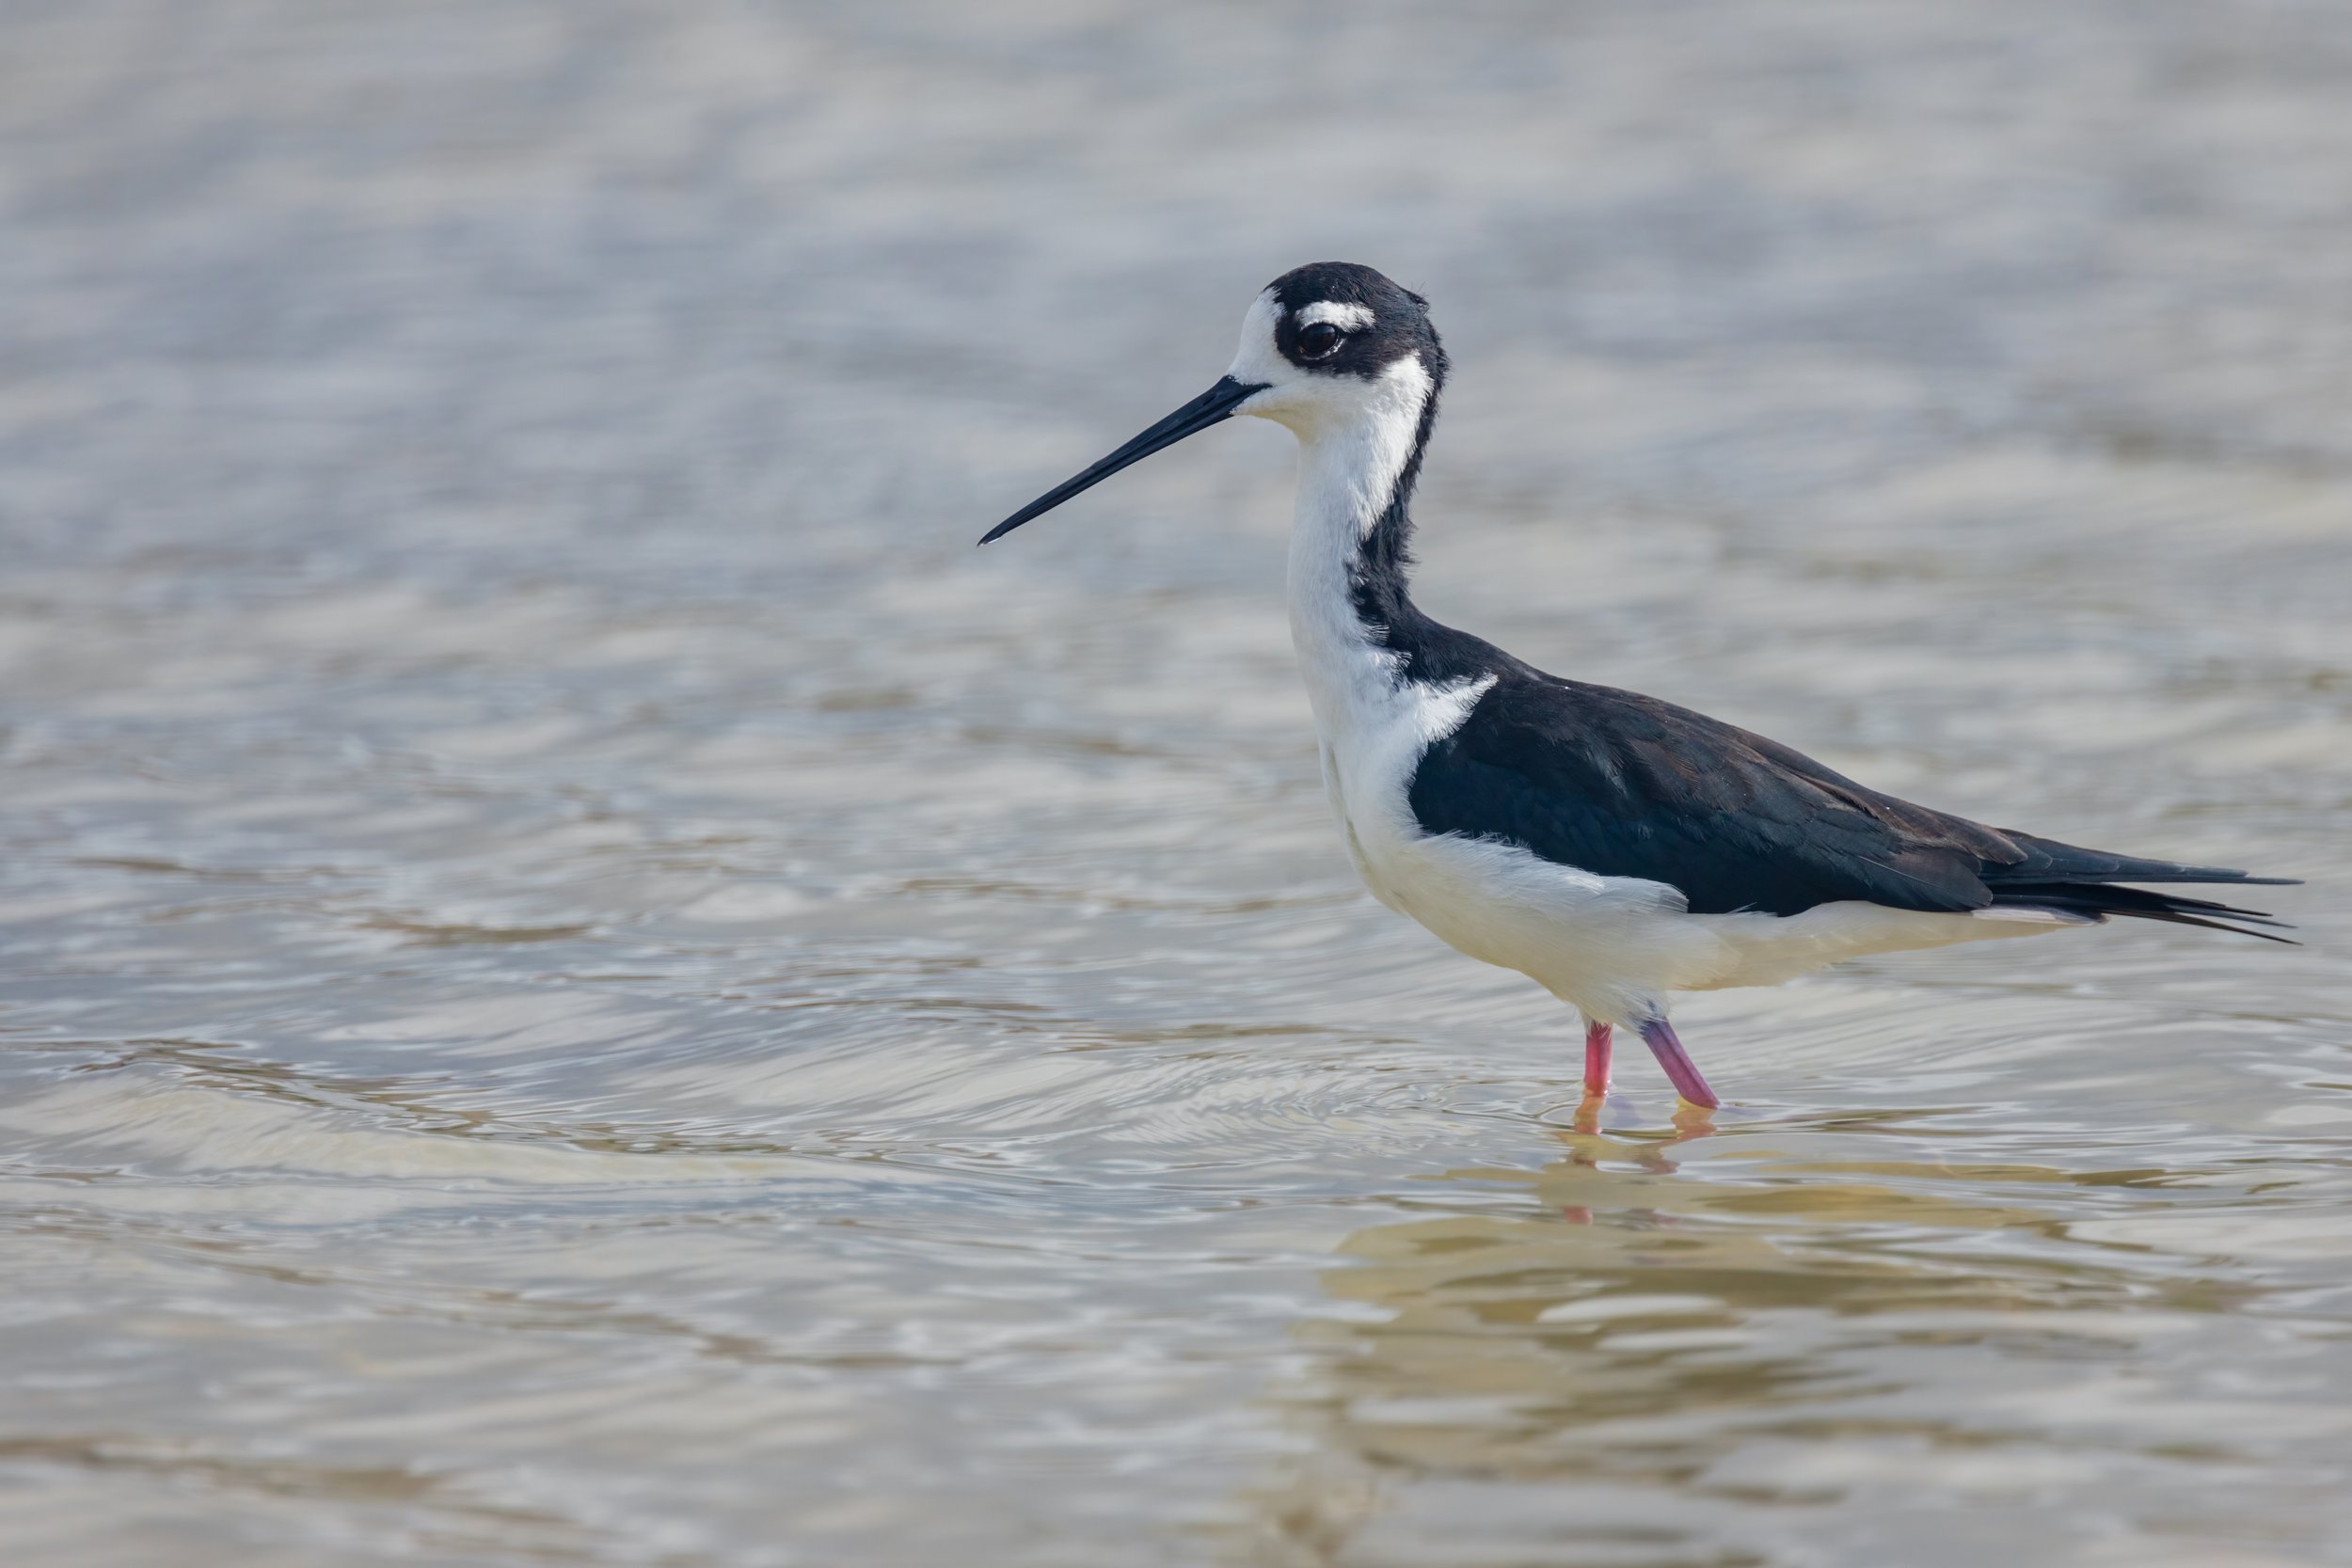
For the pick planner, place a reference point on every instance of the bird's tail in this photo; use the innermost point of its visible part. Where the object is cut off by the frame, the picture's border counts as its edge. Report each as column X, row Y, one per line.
column 2068, row 881
column 2098, row 900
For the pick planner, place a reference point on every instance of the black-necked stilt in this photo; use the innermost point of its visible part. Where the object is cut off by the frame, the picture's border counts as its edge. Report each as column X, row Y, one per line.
column 1613, row 848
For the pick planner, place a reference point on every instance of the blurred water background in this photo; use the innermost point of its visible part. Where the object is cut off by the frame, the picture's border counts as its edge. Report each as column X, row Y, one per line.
column 584, row 982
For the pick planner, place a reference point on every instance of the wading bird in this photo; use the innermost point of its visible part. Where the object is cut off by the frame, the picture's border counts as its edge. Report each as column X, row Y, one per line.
column 1613, row 848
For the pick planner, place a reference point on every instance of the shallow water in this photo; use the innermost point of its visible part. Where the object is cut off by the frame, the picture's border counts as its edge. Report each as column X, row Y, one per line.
column 583, row 982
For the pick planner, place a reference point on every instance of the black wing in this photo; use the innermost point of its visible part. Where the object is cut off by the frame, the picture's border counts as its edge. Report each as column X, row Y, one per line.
column 1625, row 785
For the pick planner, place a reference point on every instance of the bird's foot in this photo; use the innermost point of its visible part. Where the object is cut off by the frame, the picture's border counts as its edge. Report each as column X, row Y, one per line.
column 1691, row 1121
column 1681, row 1072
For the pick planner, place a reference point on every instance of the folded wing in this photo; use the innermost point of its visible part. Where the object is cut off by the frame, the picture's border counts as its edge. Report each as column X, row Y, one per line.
column 1625, row 786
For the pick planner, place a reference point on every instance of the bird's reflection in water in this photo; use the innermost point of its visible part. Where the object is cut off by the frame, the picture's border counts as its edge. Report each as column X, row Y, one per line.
column 1671, row 1345
column 1587, row 1147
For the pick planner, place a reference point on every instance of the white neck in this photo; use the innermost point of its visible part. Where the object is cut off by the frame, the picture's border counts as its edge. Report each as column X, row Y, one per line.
column 1349, row 465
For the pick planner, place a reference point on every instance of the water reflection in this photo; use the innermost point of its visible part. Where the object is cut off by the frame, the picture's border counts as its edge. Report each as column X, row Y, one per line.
column 1701, row 1345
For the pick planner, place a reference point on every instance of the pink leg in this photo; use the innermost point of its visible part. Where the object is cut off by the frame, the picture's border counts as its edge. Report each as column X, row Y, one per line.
column 1596, row 1058
column 1659, row 1036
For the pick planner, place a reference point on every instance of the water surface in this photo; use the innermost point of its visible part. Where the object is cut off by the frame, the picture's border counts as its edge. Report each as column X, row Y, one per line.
column 581, row 981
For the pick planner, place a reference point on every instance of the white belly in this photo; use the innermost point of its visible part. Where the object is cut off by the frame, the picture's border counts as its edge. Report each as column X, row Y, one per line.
column 1615, row 947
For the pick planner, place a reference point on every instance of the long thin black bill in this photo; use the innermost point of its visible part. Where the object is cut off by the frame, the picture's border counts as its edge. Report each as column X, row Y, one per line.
column 1213, row 406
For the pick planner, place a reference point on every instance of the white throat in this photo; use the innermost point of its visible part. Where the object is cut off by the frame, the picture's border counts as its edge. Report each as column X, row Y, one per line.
column 1350, row 459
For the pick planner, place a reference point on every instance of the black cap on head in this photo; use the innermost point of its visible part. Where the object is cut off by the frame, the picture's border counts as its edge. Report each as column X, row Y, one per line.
column 1378, row 321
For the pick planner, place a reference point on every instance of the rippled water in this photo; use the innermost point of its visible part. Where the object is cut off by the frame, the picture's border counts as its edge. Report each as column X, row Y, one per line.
column 583, row 982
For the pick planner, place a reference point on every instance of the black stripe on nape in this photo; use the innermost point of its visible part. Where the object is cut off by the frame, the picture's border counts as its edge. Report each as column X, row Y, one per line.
column 1380, row 581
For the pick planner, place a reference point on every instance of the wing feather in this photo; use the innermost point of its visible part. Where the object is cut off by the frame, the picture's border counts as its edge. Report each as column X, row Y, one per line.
column 1625, row 785
column 1621, row 784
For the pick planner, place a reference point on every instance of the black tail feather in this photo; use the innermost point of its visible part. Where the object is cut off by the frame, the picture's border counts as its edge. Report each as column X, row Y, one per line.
column 2048, row 862
column 2068, row 880
column 2099, row 900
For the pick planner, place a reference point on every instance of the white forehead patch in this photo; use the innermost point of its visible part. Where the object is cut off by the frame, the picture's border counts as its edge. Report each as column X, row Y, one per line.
column 1347, row 318
column 1255, row 360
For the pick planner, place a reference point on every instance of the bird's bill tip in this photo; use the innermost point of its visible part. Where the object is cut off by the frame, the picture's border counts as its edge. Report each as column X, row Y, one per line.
column 1213, row 407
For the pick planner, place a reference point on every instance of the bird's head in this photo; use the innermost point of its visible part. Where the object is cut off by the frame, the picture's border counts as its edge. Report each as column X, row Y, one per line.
column 1325, row 345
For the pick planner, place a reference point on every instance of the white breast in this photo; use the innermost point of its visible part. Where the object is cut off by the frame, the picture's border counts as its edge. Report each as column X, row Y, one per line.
column 1610, row 946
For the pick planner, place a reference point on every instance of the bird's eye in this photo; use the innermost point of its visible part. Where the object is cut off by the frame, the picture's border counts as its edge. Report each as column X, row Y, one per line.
column 1319, row 340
